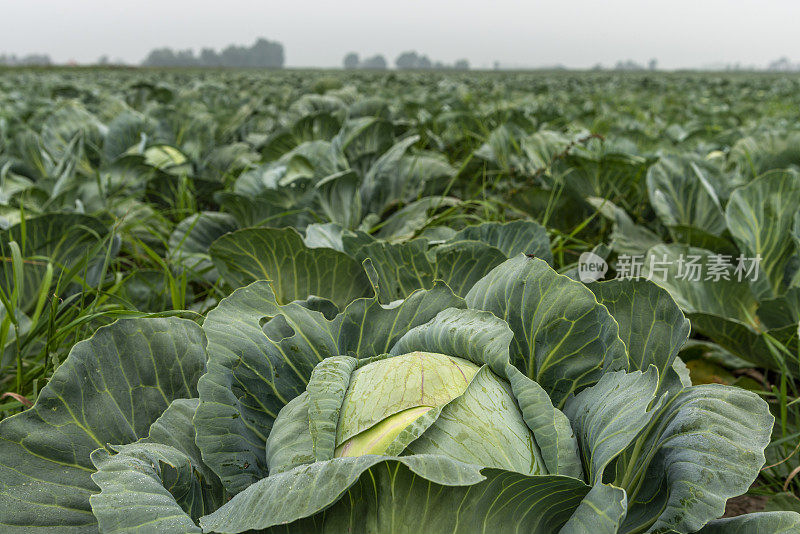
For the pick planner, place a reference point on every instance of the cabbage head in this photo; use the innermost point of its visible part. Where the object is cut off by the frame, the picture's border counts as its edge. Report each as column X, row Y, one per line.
column 419, row 403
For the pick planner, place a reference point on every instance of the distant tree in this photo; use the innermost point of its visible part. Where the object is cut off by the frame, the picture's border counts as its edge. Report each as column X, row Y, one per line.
column 628, row 65
column 209, row 58
column 652, row 64
column 232, row 56
column 783, row 64
column 262, row 54
column 461, row 64
column 41, row 60
column 496, row 65
column 412, row 60
column 407, row 60
column 374, row 63
column 185, row 58
column 160, row 57
column 267, row 54
column 103, row 60
column 351, row 61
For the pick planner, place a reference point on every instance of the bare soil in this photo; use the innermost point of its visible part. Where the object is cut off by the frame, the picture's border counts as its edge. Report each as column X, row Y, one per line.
column 744, row 504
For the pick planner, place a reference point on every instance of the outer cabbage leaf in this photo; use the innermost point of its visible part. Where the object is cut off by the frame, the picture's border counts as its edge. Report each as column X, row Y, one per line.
column 149, row 486
column 338, row 199
column 683, row 192
column 772, row 522
column 601, row 512
column 294, row 271
column 760, row 215
column 404, row 267
column 608, row 416
column 702, row 446
column 109, row 390
column 563, row 339
column 196, row 233
column 517, row 237
column 360, row 494
column 651, row 324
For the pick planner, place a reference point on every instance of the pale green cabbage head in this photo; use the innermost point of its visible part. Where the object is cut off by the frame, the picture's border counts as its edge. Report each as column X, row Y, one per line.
column 428, row 403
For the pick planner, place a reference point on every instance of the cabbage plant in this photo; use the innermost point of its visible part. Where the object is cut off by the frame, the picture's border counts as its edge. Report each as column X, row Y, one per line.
column 532, row 404
column 741, row 231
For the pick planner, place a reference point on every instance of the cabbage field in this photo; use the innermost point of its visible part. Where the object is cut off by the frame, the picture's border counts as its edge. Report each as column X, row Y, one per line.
column 399, row 302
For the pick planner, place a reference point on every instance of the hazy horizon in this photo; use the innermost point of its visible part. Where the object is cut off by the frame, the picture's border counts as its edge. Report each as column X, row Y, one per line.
column 679, row 34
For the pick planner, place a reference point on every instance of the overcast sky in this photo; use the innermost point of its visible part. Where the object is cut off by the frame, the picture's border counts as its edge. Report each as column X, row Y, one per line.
column 575, row 33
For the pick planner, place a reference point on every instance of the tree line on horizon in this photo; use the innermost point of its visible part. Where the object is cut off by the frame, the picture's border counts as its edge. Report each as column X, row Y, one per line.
column 32, row 60
column 270, row 54
column 409, row 60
